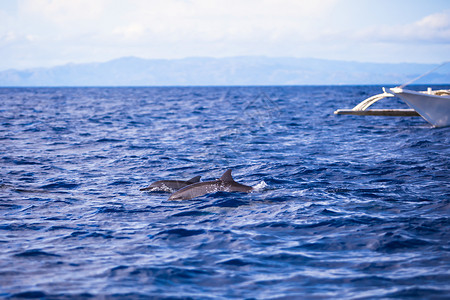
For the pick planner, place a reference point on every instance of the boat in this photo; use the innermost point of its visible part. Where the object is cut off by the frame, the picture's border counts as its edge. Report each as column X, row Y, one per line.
column 433, row 106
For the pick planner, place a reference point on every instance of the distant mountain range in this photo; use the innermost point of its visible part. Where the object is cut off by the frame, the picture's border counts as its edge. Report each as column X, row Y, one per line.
column 251, row 70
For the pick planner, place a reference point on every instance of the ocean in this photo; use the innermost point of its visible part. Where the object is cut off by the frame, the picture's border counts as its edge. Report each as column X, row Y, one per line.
column 344, row 207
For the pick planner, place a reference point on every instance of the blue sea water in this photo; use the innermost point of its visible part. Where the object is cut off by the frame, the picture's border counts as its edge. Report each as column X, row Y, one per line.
column 346, row 206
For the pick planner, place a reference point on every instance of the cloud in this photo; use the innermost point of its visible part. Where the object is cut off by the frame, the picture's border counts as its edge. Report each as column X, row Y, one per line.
column 212, row 20
column 62, row 12
column 141, row 22
column 436, row 21
column 54, row 31
column 434, row 28
column 132, row 31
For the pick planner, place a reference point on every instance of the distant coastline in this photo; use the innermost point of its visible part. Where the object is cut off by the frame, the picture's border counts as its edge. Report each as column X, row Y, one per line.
column 230, row 71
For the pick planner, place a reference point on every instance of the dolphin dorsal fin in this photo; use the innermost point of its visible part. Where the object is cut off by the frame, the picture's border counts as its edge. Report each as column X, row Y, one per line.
column 194, row 179
column 227, row 176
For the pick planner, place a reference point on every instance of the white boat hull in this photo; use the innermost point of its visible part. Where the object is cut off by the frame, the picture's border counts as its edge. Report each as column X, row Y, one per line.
column 435, row 109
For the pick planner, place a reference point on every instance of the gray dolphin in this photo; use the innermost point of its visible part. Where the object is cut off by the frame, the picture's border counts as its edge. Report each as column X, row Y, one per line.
column 226, row 183
column 170, row 185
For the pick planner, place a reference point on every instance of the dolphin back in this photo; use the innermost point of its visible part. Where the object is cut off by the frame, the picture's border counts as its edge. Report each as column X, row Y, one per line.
column 226, row 177
column 170, row 185
column 193, row 180
column 237, row 187
column 196, row 190
column 165, row 186
column 226, row 183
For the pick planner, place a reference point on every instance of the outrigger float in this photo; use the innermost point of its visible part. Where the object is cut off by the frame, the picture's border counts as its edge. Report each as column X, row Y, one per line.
column 433, row 106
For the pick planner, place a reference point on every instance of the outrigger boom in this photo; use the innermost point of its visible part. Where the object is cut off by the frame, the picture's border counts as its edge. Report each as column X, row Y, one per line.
column 361, row 108
column 433, row 106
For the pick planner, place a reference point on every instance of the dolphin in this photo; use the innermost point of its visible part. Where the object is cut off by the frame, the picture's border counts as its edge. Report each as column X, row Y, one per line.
column 226, row 183
column 170, row 185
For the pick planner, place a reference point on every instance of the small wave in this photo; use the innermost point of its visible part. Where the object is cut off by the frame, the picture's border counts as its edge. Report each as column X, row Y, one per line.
column 181, row 232
column 395, row 244
column 111, row 209
column 42, row 295
column 225, row 202
column 235, row 262
column 60, row 185
column 100, row 235
column 20, row 227
column 260, row 186
column 230, row 203
column 9, row 206
column 106, row 140
column 21, row 189
column 192, row 213
column 35, row 253
column 30, row 295
column 25, row 162
column 120, row 182
column 291, row 258
column 418, row 292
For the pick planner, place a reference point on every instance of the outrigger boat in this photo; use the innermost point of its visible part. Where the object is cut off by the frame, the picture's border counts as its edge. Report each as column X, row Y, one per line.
column 433, row 106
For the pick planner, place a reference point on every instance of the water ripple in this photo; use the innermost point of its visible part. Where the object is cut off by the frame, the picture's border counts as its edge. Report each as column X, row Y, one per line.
column 346, row 207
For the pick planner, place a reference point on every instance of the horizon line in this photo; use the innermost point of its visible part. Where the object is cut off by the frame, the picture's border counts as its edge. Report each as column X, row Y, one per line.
column 215, row 58
column 218, row 86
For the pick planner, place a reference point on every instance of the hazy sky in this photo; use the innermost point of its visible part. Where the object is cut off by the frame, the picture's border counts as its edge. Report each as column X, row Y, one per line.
column 37, row 33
